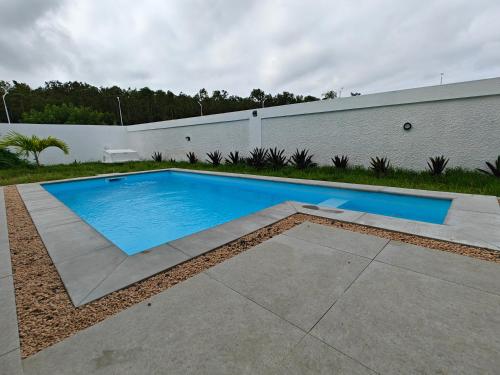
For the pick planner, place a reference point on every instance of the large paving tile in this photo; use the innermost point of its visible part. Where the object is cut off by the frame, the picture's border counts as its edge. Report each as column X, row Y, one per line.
column 398, row 321
column 246, row 224
column 5, row 264
column 8, row 317
column 456, row 268
column 295, row 279
column 197, row 327
column 204, row 241
column 311, row 356
column 67, row 241
column 54, row 217
column 82, row 274
column 481, row 203
column 137, row 267
column 352, row 242
column 10, row 363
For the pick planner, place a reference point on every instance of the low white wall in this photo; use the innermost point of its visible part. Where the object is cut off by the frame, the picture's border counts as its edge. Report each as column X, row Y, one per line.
column 460, row 121
column 86, row 142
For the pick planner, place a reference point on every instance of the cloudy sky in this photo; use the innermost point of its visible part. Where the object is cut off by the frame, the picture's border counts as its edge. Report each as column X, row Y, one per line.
column 305, row 47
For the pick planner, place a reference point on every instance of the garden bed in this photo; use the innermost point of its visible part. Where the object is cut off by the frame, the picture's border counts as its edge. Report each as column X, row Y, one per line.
column 47, row 316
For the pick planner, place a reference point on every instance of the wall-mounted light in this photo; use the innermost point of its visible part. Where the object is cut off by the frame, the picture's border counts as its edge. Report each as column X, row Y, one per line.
column 254, row 113
column 407, row 126
column 188, row 138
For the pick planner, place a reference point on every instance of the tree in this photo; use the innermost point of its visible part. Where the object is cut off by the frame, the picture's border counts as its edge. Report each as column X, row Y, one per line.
column 355, row 93
column 66, row 114
column 332, row 94
column 33, row 145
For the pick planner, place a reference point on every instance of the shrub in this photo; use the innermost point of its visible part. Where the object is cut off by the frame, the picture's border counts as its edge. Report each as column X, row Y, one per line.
column 233, row 158
column 258, row 157
column 437, row 165
column 9, row 159
column 157, row 156
column 494, row 169
column 214, row 158
column 67, row 114
column 276, row 158
column 340, row 162
column 172, row 160
column 380, row 165
column 192, row 158
column 302, row 159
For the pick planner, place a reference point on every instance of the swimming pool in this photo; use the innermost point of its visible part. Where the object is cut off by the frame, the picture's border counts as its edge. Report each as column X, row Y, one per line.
column 140, row 211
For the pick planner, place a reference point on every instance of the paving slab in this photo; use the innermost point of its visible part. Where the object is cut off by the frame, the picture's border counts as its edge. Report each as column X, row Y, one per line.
column 83, row 274
column 478, row 203
column 247, row 224
column 136, row 268
column 313, row 357
column 197, row 327
column 398, row 321
column 340, row 239
column 295, row 279
column 8, row 317
column 59, row 215
column 204, row 241
column 5, row 264
column 10, row 363
column 474, row 273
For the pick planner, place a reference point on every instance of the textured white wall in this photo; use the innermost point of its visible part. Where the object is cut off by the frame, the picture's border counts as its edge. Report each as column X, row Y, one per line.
column 86, row 142
column 465, row 130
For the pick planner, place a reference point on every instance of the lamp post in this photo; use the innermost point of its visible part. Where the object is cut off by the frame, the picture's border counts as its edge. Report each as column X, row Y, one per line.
column 5, row 105
column 441, row 82
column 201, row 108
column 120, row 109
column 263, row 101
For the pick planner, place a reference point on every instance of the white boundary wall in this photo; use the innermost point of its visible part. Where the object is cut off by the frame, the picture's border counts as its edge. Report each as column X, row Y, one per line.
column 461, row 121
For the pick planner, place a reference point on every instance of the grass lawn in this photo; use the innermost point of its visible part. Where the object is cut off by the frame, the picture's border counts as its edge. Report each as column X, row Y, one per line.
column 455, row 180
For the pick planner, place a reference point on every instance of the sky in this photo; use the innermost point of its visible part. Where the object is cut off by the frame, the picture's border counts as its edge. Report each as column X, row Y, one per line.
column 304, row 47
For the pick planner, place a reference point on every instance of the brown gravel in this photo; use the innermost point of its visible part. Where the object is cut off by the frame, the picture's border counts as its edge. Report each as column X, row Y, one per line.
column 47, row 316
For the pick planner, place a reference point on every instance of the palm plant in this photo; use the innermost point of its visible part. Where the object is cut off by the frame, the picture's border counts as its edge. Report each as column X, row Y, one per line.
column 340, row 162
column 233, row 158
column 192, row 158
column 214, row 158
column 494, row 169
column 302, row 159
column 380, row 165
column 258, row 157
column 437, row 165
column 276, row 158
column 33, row 145
column 157, row 156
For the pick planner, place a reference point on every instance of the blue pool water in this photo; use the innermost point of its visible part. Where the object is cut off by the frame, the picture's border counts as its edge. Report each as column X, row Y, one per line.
column 140, row 211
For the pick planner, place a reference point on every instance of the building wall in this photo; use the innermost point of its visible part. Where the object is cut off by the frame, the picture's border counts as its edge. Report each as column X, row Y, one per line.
column 460, row 121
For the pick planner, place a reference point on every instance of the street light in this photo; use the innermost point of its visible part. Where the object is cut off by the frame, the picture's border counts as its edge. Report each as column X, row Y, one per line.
column 201, row 108
column 5, row 104
column 442, row 74
column 120, row 109
column 263, row 101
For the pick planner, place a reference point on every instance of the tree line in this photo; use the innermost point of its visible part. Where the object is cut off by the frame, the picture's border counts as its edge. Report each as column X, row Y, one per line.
column 82, row 103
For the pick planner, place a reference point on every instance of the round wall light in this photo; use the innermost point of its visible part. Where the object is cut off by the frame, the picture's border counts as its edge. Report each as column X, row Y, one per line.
column 188, row 138
column 254, row 113
column 407, row 126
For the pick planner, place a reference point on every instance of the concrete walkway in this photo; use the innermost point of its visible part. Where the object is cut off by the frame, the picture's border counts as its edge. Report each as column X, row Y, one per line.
column 315, row 300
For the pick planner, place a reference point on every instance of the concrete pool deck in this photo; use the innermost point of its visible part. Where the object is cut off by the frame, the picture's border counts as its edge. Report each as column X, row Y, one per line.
column 312, row 300
column 91, row 266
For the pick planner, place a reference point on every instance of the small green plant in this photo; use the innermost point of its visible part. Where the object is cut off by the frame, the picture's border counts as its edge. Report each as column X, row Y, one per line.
column 214, row 158
column 192, row 158
column 172, row 160
column 340, row 162
column 302, row 159
column 233, row 158
column 437, row 165
column 33, row 145
column 276, row 158
column 380, row 166
column 9, row 159
column 157, row 156
column 494, row 169
column 258, row 158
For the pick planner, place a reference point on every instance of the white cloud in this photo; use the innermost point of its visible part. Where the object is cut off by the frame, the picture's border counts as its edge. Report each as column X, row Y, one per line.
column 306, row 47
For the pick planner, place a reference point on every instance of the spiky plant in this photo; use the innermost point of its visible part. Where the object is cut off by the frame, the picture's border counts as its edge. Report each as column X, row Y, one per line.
column 214, row 158
column 494, row 169
column 437, row 165
column 258, row 157
column 380, row 165
column 192, row 158
column 340, row 162
column 302, row 159
column 157, row 156
column 33, row 145
column 233, row 158
column 276, row 158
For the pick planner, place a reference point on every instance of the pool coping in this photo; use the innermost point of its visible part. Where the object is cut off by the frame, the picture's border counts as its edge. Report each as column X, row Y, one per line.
column 91, row 266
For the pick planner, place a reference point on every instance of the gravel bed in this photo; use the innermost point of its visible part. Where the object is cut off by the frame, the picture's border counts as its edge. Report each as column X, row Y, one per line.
column 47, row 316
